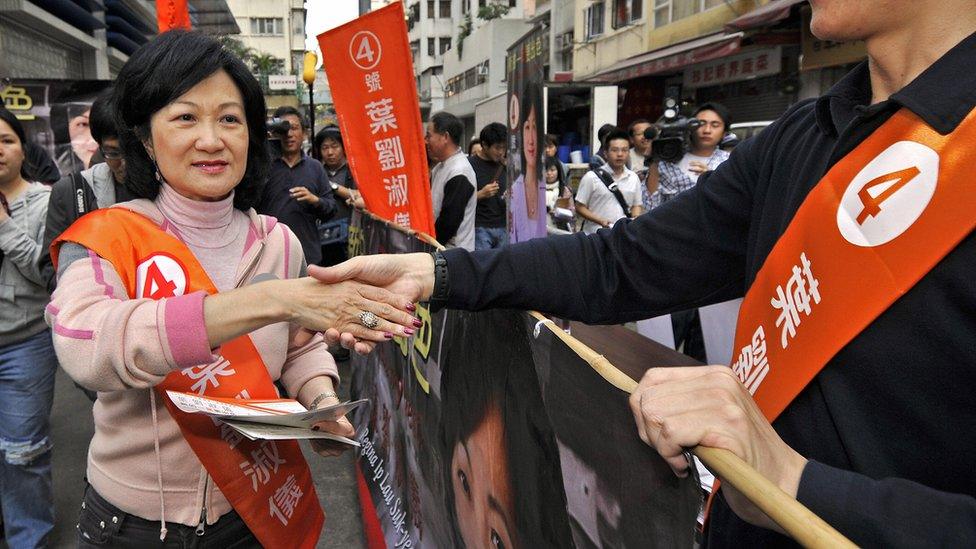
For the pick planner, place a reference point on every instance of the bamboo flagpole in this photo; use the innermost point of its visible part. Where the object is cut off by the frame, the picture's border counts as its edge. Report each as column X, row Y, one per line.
column 799, row 522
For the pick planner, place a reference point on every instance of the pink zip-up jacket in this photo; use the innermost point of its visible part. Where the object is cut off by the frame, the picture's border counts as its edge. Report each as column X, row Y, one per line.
column 123, row 347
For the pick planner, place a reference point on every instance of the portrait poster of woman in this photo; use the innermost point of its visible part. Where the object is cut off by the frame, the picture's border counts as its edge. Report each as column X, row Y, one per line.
column 526, row 124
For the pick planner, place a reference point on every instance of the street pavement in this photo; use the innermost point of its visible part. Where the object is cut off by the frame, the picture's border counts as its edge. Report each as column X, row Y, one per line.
column 72, row 429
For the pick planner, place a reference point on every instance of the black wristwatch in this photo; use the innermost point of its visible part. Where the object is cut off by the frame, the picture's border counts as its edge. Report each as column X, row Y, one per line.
column 438, row 298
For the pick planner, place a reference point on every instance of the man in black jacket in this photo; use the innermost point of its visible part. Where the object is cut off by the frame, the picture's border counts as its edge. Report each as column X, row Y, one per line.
column 298, row 191
column 880, row 442
column 97, row 187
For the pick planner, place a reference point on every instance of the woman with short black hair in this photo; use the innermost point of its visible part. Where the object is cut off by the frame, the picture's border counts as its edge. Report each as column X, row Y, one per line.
column 189, row 290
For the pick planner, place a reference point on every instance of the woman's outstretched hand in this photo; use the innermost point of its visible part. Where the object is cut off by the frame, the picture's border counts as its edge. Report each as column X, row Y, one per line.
column 410, row 277
column 339, row 306
column 318, row 307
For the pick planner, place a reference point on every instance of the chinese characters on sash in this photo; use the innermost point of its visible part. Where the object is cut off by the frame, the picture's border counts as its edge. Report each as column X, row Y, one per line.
column 794, row 300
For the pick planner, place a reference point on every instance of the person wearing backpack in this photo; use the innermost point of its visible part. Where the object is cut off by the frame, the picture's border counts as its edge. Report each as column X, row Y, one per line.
column 610, row 192
column 80, row 192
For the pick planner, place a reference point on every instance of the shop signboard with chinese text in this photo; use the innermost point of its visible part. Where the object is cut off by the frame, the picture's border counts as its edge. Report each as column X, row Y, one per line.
column 742, row 66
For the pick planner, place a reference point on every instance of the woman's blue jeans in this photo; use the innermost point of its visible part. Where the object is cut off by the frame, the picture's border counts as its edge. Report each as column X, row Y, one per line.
column 27, row 373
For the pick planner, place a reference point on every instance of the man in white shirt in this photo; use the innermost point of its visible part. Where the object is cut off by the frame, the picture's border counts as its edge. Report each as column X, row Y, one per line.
column 452, row 182
column 604, row 198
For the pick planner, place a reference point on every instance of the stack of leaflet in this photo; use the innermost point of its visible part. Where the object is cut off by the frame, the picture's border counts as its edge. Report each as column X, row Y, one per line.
column 271, row 419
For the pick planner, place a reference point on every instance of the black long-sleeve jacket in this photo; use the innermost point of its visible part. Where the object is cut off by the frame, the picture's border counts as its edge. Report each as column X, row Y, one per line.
column 889, row 424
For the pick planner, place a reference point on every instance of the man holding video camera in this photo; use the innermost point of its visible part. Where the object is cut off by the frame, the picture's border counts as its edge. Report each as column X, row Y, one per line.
column 702, row 154
column 298, row 191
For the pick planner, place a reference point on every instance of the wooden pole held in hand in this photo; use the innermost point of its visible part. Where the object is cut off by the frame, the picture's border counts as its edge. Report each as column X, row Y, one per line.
column 799, row 522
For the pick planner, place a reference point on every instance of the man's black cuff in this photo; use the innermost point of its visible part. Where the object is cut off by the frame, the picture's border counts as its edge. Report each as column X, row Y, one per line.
column 438, row 297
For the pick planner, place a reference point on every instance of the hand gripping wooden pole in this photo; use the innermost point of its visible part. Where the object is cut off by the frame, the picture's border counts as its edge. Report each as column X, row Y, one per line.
column 799, row 522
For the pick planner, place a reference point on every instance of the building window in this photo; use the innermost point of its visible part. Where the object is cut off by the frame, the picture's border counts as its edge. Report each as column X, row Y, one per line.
column 626, row 12
column 431, row 14
column 709, row 4
column 267, row 26
column 662, row 12
column 464, row 6
column 593, row 19
column 445, row 44
column 446, row 9
column 298, row 23
column 430, row 46
column 511, row 3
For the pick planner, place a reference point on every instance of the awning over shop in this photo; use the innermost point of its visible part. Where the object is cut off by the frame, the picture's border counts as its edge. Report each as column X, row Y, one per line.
column 771, row 13
column 670, row 58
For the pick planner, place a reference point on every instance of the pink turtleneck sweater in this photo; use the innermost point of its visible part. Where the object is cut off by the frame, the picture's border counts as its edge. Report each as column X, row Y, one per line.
column 122, row 347
column 214, row 231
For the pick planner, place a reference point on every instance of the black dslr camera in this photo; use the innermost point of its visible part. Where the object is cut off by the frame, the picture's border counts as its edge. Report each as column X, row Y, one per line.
column 277, row 130
column 670, row 136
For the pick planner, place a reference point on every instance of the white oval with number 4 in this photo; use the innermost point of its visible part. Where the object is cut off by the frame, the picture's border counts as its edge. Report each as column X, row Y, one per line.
column 889, row 194
column 160, row 276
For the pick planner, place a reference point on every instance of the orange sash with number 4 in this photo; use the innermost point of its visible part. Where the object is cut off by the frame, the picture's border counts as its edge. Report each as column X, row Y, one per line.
column 870, row 229
column 267, row 482
column 876, row 223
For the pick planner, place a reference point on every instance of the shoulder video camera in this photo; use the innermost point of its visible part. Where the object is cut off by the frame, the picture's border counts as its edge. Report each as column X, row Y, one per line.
column 670, row 136
column 277, row 130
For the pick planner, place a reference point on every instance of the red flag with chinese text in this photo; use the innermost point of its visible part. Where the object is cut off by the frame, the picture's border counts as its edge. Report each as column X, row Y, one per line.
column 172, row 14
column 370, row 69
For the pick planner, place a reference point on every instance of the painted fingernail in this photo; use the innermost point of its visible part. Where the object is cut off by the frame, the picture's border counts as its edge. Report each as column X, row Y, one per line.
column 411, row 307
column 408, row 331
column 387, row 335
column 417, row 322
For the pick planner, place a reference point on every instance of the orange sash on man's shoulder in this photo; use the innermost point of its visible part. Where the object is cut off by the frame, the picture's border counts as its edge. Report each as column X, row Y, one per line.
column 267, row 482
column 874, row 225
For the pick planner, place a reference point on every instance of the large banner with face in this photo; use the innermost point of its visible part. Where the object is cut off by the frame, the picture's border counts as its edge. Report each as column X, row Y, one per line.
column 526, row 168
column 54, row 114
column 487, row 430
column 369, row 64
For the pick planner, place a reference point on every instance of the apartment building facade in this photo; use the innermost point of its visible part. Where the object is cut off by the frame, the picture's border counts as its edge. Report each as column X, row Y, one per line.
column 86, row 40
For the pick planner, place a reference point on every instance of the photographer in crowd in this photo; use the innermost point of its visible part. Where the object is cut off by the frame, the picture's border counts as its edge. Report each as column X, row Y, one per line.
column 703, row 154
column 298, row 192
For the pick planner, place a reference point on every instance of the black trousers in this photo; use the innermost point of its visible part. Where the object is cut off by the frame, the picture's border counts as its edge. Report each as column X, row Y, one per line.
column 101, row 524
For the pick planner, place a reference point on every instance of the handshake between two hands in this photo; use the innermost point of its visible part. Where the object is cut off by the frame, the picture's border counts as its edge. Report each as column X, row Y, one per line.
column 388, row 285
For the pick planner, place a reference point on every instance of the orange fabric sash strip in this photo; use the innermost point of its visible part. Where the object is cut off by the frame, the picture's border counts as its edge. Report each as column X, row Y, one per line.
column 267, row 482
column 876, row 223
